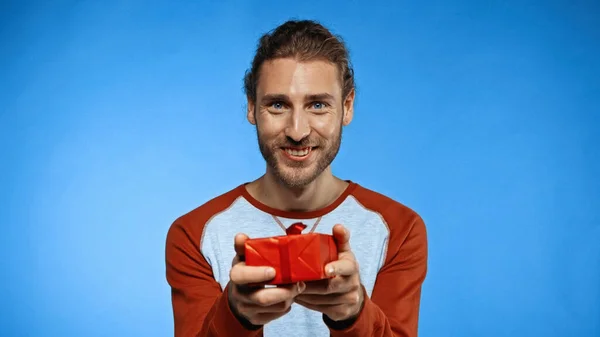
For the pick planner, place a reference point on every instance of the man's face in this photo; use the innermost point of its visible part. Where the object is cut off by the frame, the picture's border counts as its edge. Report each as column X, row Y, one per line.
column 299, row 114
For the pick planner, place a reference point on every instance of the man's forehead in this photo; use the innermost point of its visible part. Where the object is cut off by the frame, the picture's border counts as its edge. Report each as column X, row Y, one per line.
column 292, row 77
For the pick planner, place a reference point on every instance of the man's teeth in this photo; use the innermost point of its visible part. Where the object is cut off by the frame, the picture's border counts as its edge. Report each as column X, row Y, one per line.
column 298, row 153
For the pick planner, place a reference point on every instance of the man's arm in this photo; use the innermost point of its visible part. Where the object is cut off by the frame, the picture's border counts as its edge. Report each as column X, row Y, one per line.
column 393, row 309
column 200, row 307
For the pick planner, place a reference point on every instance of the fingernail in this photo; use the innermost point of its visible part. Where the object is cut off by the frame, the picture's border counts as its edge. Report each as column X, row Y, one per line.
column 301, row 286
column 330, row 270
column 270, row 272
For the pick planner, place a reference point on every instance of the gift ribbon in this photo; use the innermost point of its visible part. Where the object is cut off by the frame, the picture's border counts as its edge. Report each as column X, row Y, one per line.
column 295, row 228
column 284, row 252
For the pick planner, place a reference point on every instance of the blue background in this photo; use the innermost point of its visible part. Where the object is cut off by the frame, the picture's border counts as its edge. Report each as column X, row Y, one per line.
column 117, row 117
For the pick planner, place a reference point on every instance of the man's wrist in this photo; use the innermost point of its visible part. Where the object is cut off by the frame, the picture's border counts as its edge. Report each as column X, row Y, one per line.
column 243, row 320
column 347, row 322
column 341, row 324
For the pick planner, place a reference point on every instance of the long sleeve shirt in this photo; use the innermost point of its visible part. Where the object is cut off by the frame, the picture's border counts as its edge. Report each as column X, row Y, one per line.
column 388, row 239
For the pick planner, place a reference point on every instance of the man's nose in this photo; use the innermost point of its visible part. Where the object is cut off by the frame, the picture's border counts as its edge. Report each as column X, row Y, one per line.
column 298, row 126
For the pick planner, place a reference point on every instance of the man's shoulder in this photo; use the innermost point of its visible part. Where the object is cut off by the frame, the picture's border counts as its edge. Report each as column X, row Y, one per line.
column 395, row 213
column 202, row 214
column 406, row 227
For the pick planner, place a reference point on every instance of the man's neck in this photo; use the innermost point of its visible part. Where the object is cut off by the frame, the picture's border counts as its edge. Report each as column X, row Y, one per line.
column 320, row 193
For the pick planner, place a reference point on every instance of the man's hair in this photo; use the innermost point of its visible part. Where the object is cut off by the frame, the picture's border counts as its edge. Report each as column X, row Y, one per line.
column 303, row 40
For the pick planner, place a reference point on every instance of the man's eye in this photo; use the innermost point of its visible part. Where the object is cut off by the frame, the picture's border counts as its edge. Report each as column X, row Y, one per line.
column 277, row 105
column 318, row 105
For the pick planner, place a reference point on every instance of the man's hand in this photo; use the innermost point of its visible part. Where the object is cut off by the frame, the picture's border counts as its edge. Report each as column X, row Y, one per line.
column 340, row 298
column 255, row 303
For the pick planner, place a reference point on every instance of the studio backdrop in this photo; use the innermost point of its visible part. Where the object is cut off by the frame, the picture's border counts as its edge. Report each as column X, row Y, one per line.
column 116, row 117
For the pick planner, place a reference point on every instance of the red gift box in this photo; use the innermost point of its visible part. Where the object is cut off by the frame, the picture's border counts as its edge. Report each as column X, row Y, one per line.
column 295, row 257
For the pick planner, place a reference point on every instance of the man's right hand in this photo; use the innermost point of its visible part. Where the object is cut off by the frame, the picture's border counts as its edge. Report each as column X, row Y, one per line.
column 256, row 304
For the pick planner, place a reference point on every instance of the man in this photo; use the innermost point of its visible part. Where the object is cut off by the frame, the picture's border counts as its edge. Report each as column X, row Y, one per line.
column 300, row 92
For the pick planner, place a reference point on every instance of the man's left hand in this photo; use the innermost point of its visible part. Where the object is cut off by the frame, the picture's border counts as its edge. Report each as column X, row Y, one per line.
column 341, row 297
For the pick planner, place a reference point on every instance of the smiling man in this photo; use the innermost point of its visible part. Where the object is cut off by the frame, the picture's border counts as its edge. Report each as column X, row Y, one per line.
column 300, row 92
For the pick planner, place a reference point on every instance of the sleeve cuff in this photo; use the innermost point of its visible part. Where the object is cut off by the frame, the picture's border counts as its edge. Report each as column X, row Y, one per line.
column 226, row 323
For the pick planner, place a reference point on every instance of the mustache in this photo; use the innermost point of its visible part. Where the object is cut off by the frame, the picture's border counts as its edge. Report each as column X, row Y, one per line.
column 306, row 142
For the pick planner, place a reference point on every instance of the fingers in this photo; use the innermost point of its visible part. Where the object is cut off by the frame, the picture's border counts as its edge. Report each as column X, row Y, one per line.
column 267, row 297
column 341, row 236
column 253, row 309
column 335, row 312
column 350, row 298
column 249, row 297
column 264, row 318
column 239, row 241
column 329, row 286
column 266, row 304
column 241, row 274
column 343, row 267
column 237, row 259
column 260, row 315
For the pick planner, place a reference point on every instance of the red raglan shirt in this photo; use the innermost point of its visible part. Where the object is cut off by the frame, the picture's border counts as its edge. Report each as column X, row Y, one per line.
column 388, row 239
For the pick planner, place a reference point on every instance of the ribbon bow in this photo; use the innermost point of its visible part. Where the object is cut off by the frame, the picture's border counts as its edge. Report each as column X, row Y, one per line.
column 295, row 228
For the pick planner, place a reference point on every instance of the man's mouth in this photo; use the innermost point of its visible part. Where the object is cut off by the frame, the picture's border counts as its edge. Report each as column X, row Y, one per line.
column 297, row 153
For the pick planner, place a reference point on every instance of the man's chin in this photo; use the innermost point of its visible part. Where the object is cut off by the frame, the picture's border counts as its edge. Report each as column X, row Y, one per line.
column 296, row 177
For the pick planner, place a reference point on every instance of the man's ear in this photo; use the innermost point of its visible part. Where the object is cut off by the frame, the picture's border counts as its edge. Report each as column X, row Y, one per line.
column 348, row 108
column 250, row 115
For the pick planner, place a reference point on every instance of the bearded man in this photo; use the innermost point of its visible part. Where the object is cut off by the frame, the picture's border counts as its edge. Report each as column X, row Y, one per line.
column 300, row 91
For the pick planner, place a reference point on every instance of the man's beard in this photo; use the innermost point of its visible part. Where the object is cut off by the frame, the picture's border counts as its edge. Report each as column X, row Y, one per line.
column 296, row 174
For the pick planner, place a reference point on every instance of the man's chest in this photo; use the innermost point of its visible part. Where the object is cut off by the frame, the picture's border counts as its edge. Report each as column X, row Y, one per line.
column 368, row 239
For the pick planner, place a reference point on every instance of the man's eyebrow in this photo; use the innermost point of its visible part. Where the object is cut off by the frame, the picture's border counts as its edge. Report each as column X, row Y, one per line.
column 310, row 97
column 319, row 97
column 275, row 97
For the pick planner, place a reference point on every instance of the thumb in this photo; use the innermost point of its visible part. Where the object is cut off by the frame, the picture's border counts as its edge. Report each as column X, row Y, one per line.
column 341, row 235
column 239, row 244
